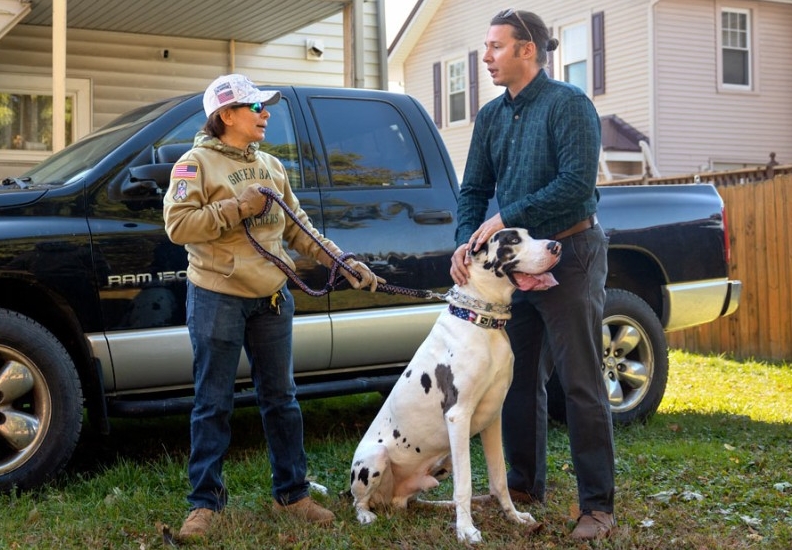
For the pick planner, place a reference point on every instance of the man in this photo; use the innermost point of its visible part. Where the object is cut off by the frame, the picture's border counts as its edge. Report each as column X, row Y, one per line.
column 537, row 147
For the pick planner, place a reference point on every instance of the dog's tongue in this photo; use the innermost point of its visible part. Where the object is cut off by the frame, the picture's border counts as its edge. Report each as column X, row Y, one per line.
column 534, row 282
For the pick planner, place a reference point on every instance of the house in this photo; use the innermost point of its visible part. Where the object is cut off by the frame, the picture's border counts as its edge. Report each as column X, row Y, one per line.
column 682, row 86
column 107, row 58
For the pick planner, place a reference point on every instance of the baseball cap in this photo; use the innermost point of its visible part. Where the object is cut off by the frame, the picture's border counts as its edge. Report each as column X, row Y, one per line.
column 235, row 88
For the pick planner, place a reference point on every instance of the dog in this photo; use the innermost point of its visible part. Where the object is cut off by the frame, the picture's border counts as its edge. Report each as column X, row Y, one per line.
column 453, row 389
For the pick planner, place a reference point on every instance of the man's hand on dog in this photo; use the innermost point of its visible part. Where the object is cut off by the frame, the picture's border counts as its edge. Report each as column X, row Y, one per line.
column 461, row 257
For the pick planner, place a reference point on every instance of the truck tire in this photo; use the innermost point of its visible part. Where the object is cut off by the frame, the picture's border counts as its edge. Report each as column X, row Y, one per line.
column 41, row 404
column 634, row 361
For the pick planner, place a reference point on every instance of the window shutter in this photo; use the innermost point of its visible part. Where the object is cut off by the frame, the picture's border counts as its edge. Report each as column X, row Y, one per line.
column 549, row 67
column 474, row 87
column 438, row 95
column 598, row 50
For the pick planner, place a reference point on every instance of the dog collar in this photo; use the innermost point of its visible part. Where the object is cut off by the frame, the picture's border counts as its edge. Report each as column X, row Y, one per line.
column 460, row 298
column 476, row 318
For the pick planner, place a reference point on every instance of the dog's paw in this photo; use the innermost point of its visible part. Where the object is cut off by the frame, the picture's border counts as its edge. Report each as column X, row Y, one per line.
column 525, row 517
column 470, row 535
column 366, row 516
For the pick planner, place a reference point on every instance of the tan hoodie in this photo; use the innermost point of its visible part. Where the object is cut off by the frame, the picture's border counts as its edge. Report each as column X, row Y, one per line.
column 202, row 213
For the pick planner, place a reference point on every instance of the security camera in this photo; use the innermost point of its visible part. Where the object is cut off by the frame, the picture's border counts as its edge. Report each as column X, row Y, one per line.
column 314, row 49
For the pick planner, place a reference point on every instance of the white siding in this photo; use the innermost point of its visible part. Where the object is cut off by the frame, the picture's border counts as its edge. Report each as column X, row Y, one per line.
column 127, row 70
column 461, row 26
column 660, row 75
column 696, row 123
column 627, row 63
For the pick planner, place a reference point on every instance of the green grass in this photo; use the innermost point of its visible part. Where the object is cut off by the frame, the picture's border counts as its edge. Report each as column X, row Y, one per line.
column 711, row 470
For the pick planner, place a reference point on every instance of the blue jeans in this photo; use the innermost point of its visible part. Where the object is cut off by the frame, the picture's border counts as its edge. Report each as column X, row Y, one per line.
column 220, row 327
column 562, row 328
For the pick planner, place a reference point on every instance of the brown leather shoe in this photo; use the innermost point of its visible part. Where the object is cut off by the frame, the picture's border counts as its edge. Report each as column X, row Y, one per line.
column 196, row 525
column 594, row 525
column 306, row 509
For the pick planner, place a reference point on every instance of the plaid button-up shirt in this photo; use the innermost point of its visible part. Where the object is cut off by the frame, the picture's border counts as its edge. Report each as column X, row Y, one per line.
column 539, row 154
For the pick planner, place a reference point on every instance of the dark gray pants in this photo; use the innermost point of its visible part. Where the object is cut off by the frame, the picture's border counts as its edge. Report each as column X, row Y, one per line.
column 561, row 328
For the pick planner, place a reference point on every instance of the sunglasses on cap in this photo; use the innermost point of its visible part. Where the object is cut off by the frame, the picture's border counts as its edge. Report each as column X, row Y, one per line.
column 511, row 13
column 255, row 107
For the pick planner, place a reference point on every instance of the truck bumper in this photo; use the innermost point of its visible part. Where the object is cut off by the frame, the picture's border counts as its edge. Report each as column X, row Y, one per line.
column 699, row 302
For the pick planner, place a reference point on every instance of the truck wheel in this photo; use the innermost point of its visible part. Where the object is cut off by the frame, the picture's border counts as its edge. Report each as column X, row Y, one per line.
column 634, row 361
column 41, row 404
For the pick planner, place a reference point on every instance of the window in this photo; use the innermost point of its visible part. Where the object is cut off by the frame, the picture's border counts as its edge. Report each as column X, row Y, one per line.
column 574, row 55
column 26, row 115
column 368, row 144
column 735, row 48
column 26, row 121
column 456, row 77
column 279, row 140
column 455, row 90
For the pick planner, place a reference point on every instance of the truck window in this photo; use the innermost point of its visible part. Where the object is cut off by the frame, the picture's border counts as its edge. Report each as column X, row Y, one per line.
column 367, row 143
column 279, row 139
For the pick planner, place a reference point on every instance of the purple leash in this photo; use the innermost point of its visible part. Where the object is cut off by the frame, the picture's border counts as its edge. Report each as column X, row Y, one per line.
column 338, row 261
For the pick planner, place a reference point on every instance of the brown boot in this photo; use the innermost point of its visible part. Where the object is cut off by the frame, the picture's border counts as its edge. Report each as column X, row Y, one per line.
column 593, row 525
column 196, row 525
column 306, row 509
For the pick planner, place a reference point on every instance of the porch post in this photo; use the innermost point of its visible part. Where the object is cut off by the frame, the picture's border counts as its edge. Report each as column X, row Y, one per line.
column 58, row 75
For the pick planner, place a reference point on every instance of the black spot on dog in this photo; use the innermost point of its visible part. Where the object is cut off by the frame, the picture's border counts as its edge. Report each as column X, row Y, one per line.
column 408, row 373
column 504, row 261
column 375, row 474
column 396, row 434
column 352, row 478
column 417, row 449
column 363, row 476
column 426, row 382
column 445, row 383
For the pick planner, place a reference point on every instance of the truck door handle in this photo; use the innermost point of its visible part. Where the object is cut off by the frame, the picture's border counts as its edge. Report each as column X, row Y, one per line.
column 433, row 217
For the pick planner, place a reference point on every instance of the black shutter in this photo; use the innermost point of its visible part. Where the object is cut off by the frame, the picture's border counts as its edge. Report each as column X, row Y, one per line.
column 549, row 67
column 438, row 95
column 598, row 50
column 474, row 87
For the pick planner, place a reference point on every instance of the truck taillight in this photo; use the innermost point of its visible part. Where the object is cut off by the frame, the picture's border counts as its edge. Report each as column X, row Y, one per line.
column 726, row 240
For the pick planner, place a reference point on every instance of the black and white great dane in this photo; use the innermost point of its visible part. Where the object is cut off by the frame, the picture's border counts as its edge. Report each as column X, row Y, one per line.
column 453, row 389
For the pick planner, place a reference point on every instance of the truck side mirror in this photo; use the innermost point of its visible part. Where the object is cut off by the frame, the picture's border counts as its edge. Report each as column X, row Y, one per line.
column 147, row 180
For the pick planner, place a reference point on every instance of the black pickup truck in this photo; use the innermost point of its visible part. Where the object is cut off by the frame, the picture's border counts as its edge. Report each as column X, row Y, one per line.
column 92, row 293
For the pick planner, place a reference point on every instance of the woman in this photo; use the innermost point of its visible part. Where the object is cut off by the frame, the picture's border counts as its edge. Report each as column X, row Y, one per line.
column 237, row 299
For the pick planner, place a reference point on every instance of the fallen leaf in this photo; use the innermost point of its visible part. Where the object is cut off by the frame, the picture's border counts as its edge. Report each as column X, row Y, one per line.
column 728, row 447
column 691, row 495
column 647, row 523
column 751, row 522
column 782, row 487
column 663, row 496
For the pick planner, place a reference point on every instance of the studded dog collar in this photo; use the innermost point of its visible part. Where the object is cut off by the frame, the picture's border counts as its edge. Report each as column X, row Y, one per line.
column 476, row 318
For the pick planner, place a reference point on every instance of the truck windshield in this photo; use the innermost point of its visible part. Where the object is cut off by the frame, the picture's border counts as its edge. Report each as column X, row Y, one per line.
column 68, row 164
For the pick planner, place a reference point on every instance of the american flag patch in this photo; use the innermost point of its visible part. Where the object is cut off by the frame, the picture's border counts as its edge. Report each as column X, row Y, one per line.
column 224, row 93
column 188, row 171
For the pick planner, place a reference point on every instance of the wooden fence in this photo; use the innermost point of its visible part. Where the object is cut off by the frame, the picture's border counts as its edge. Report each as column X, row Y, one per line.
column 759, row 217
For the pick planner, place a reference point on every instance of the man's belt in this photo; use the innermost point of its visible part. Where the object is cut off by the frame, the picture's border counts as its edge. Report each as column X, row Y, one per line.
column 582, row 225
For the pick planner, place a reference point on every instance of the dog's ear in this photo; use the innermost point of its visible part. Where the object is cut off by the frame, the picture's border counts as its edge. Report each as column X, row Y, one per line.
column 483, row 249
